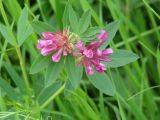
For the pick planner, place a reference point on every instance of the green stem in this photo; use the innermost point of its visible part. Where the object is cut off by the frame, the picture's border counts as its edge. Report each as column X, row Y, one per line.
column 22, row 67
column 16, row 46
column 3, row 52
column 53, row 96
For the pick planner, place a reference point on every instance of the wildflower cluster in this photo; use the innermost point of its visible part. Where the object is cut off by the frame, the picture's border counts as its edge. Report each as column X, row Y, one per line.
column 64, row 43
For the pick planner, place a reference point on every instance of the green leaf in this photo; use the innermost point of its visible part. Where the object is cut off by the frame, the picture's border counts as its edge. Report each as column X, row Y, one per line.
column 73, row 19
column 57, row 7
column 111, row 28
column 120, row 58
column 24, row 29
column 15, row 77
column 8, row 89
column 88, row 39
column 90, row 34
column 74, row 74
column 14, row 9
column 86, row 6
column 84, row 22
column 40, row 63
column 40, row 27
column 47, row 92
column 6, row 32
column 102, row 82
column 52, row 72
column 66, row 16
column 91, row 31
column 68, row 88
column 37, row 83
column 26, row 34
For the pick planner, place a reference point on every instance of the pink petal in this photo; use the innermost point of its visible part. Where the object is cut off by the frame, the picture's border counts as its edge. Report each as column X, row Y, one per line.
column 45, row 43
column 47, row 50
column 65, row 52
column 39, row 46
column 88, row 53
column 100, row 68
column 80, row 45
column 57, row 56
column 99, row 52
column 107, row 51
column 103, row 35
column 54, row 40
column 105, row 59
column 93, row 45
column 89, row 69
column 95, row 62
column 48, row 35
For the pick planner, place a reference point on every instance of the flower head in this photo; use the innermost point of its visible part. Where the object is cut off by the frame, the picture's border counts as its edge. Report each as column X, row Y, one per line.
column 92, row 55
column 60, row 43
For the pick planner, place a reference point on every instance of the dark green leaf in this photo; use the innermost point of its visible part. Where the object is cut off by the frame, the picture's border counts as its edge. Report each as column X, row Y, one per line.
column 40, row 63
column 53, row 71
column 13, row 8
column 88, row 39
column 84, row 22
column 102, row 82
column 8, row 89
column 90, row 34
column 15, row 77
column 86, row 6
column 91, row 31
column 73, row 19
column 47, row 92
column 40, row 27
column 57, row 7
column 111, row 28
column 37, row 83
column 6, row 32
column 68, row 88
column 74, row 74
column 24, row 29
column 120, row 58
column 66, row 16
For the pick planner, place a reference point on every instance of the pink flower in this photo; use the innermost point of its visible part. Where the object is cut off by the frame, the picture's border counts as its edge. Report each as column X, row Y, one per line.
column 58, row 43
column 92, row 56
column 103, row 35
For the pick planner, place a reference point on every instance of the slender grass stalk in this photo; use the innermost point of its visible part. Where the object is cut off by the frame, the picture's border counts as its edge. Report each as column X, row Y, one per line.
column 22, row 67
column 144, row 90
column 2, row 104
column 53, row 96
column 58, row 113
column 134, row 38
column 154, row 24
column 117, row 97
column 41, row 10
column 156, row 14
column 3, row 52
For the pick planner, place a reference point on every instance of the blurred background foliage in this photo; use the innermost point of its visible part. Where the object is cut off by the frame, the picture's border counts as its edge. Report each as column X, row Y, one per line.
column 137, row 84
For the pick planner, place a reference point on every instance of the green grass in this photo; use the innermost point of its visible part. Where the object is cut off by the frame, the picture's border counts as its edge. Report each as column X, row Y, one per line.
column 137, row 85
